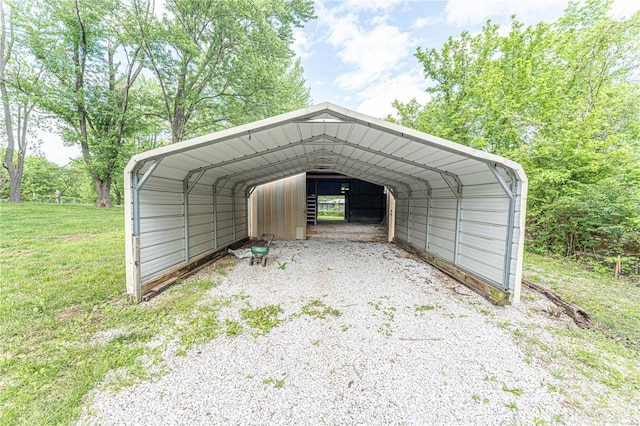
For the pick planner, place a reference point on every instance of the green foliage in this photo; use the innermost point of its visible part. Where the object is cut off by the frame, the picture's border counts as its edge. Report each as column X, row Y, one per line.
column 277, row 383
column 424, row 308
column 561, row 99
column 224, row 63
column 318, row 309
column 42, row 179
column 262, row 319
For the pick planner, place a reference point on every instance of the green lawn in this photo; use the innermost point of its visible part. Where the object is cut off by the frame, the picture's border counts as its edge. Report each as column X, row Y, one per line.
column 62, row 283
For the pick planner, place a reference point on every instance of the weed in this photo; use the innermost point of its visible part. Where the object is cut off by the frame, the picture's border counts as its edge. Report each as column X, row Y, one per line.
column 316, row 342
column 512, row 406
column 282, row 265
column 539, row 421
column 344, row 327
column 388, row 313
column 488, row 378
column 318, row 309
column 477, row 398
column 233, row 328
column 200, row 329
column 504, row 324
column 515, row 391
column 262, row 319
column 277, row 383
column 423, row 308
column 557, row 373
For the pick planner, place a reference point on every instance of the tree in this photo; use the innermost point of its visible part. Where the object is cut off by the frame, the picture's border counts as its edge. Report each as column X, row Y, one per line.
column 94, row 63
column 559, row 98
column 224, row 63
column 19, row 84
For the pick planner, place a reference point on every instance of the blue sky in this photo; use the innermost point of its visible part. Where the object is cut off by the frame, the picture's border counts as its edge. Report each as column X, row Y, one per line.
column 359, row 53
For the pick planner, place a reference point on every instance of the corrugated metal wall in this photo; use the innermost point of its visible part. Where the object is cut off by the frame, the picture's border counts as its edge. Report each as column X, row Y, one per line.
column 281, row 208
column 430, row 224
column 167, row 208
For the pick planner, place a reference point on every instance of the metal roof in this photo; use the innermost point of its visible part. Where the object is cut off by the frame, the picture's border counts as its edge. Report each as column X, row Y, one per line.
column 325, row 137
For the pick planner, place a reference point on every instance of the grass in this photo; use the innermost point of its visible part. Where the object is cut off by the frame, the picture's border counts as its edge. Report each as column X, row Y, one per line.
column 62, row 284
column 608, row 353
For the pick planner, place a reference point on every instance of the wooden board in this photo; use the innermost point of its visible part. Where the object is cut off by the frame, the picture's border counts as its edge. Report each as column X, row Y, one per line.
column 481, row 287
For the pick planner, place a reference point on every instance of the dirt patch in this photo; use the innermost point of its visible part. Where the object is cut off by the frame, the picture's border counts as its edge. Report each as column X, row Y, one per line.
column 345, row 231
column 67, row 313
column 77, row 237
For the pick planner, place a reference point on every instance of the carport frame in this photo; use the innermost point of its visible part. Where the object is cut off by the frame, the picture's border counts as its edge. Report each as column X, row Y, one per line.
column 327, row 154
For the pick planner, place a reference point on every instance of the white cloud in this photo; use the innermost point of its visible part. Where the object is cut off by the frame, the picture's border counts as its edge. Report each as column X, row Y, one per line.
column 368, row 50
column 370, row 5
column 469, row 12
column 426, row 21
column 624, row 8
column 301, row 44
column 376, row 100
column 372, row 53
column 55, row 150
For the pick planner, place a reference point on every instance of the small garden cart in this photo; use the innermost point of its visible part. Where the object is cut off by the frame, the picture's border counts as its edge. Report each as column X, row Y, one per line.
column 260, row 250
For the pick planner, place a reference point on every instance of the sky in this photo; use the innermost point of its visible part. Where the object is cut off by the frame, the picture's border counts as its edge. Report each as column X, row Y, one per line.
column 359, row 54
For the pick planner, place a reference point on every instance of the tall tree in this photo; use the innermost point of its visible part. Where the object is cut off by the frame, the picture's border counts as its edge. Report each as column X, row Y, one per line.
column 19, row 82
column 562, row 100
column 94, row 63
column 224, row 62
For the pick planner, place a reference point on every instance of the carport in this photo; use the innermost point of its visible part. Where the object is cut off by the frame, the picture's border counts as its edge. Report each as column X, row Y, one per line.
column 460, row 209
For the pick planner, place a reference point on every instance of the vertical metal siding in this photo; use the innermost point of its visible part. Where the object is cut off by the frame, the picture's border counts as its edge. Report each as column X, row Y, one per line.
column 162, row 227
column 200, row 223
column 281, row 207
column 443, row 223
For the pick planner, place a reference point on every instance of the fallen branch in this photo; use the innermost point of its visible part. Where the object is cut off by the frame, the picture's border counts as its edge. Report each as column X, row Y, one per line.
column 579, row 315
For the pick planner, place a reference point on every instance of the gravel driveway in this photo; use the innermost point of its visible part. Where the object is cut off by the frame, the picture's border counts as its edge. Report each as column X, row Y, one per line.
column 369, row 336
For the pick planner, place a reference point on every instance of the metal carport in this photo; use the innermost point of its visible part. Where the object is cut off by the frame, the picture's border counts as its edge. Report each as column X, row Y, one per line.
column 459, row 208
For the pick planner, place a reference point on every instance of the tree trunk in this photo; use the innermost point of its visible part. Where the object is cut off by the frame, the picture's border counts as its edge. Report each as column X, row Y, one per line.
column 118, row 196
column 103, row 188
column 15, row 171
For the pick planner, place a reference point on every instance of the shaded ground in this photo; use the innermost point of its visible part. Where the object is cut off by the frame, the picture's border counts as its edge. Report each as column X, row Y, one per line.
column 345, row 231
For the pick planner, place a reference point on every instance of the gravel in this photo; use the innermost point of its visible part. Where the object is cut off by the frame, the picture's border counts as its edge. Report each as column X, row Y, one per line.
column 409, row 347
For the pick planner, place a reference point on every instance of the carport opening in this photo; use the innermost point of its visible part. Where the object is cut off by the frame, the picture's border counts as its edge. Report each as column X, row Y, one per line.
column 331, row 208
column 333, row 196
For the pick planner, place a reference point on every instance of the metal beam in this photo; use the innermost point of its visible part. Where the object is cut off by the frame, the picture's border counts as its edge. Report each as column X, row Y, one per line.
column 136, row 185
column 185, row 199
column 378, row 153
column 342, row 168
column 456, row 188
column 427, row 191
column 233, row 210
column 509, row 189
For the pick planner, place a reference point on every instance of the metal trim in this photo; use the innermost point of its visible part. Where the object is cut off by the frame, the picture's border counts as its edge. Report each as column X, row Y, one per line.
column 185, row 200
column 511, row 190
